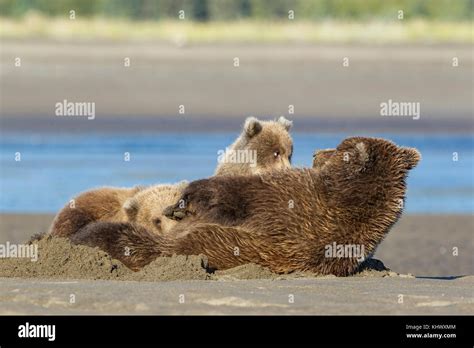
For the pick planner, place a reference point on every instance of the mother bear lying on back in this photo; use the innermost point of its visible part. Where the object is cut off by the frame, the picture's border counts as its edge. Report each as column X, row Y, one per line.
column 282, row 220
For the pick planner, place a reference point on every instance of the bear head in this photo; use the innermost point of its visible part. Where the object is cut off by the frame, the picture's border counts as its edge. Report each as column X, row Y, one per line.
column 146, row 207
column 262, row 146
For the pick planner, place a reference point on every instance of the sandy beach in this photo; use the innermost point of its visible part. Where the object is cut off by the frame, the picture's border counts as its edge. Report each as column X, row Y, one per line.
column 325, row 296
column 107, row 94
column 418, row 251
column 430, row 257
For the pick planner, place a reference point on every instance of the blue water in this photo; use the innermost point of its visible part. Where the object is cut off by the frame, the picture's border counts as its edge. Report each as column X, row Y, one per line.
column 54, row 168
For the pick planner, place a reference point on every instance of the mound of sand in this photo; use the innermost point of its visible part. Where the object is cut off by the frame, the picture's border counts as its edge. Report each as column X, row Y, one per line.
column 59, row 259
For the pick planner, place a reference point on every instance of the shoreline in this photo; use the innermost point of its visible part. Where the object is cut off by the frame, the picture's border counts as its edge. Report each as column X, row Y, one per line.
column 116, row 124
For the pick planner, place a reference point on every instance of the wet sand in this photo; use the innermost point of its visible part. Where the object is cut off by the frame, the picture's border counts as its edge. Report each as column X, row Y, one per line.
column 216, row 95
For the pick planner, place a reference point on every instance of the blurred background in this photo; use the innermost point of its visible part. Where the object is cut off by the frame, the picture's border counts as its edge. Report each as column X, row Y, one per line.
column 173, row 81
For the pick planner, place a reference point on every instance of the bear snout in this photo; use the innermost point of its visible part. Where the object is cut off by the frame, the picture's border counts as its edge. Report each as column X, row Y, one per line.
column 174, row 212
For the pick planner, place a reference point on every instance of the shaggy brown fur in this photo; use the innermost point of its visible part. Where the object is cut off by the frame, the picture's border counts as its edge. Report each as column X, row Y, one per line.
column 103, row 204
column 269, row 139
column 132, row 244
column 354, row 198
column 320, row 157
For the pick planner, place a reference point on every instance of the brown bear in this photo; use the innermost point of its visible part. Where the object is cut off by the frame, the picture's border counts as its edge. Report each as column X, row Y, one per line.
column 146, row 207
column 103, row 204
column 262, row 146
column 283, row 220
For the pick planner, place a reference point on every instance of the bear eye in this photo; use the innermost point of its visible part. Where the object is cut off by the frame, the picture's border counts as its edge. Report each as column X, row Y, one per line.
column 276, row 154
column 157, row 222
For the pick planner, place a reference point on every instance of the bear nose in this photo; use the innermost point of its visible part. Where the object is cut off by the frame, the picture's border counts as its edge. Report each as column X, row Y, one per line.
column 174, row 213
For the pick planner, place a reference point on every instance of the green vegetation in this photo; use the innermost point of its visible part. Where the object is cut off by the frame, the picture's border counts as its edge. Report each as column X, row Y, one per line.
column 240, row 20
column 222, row 10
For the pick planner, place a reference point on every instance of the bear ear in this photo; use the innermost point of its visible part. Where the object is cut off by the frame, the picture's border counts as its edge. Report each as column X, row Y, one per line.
column 131, row 208
column 320, row 157
column 287, row 124
column 411, row 156
column 252, row 126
